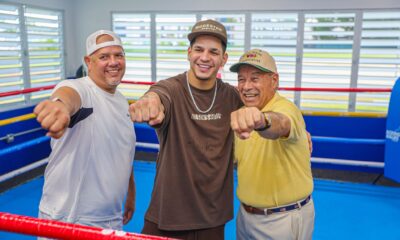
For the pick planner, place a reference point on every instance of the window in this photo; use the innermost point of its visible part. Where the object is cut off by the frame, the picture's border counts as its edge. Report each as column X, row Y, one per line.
column 45, row 48
column 379, row 58
column 172, row 43
column 276, row 33
column 31, row 51
column 135, row 33
column 327, row 59
column 11, row 70
column 235, row 26
column 319, row 49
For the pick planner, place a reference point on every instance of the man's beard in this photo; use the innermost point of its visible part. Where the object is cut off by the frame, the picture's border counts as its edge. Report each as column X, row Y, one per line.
column 204, row 78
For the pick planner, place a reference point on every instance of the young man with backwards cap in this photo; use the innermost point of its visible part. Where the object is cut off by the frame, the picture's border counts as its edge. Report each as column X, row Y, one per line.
column 193, row 189
column 90, row 166
column 273, row 156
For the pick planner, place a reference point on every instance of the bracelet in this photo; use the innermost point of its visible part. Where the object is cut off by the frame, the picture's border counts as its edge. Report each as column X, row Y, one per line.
column 268, row 122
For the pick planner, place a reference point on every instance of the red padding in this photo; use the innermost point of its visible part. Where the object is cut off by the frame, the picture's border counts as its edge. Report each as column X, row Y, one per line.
column 60, row 230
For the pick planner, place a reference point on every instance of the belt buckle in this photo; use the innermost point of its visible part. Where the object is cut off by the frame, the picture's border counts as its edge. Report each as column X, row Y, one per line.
column 265, row 211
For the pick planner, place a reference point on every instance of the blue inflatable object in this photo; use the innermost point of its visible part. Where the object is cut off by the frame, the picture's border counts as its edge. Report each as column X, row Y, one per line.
column 392, row 146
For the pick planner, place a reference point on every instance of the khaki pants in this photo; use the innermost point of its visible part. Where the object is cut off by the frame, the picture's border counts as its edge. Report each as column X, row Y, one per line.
column 296, row 224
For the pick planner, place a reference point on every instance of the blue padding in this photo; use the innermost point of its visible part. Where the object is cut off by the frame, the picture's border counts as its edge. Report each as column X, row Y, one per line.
column 348, row 140
column 16, row 112
column 144, row 149
column 354, row 151
column 145, row 133
column 24, row 145
column 392, row 149
column 357, row 168
column 353, row 138
column 21, row 155
column 347, row 127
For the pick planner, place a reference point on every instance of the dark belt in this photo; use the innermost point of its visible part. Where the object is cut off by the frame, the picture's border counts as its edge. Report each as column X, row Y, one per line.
column 267, row 211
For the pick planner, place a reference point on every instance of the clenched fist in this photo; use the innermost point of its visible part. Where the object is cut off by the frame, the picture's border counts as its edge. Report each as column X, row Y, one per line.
column 147, row 109
column 245, row 120
column 53, row 116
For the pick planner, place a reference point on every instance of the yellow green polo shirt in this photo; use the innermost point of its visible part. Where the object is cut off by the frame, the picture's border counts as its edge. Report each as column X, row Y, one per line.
column 273, row 173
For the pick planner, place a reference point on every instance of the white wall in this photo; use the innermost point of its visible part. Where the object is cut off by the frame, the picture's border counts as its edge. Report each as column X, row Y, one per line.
column 83, row 17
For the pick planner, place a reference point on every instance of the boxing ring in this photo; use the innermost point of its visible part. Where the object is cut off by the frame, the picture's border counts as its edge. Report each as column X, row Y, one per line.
column 344, row 210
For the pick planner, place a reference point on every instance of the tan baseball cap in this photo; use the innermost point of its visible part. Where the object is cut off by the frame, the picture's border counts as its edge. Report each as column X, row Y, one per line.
column 209, row 27
column 256, row 58
column 92, row 45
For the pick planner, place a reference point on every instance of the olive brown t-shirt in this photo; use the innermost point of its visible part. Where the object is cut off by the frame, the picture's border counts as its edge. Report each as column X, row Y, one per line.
column 193, row 187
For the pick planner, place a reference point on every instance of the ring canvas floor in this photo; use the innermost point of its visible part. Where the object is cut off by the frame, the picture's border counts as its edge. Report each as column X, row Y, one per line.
column 343, row 210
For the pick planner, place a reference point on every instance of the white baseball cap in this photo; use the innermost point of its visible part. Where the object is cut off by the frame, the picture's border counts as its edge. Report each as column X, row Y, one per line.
column 91, row 41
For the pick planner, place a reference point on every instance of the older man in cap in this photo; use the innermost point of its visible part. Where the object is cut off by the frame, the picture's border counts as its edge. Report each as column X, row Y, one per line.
column 93, row 142
column 273, row 156
column 193, row 189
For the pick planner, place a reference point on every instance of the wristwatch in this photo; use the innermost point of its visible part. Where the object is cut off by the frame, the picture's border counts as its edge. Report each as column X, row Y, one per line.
column 268, row 122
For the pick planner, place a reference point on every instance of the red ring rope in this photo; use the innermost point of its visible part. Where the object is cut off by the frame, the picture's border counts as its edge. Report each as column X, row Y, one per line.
column 137, row 82
column 29, row 90
column 336, row 89
column 60, row 230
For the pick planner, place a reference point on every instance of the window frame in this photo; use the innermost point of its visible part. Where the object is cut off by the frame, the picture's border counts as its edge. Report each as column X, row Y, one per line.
column 299, row 59
column 29, row 99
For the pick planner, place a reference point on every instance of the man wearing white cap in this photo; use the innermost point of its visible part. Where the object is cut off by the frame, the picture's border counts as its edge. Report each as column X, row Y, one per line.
column 273, row 156
column 93, row 142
